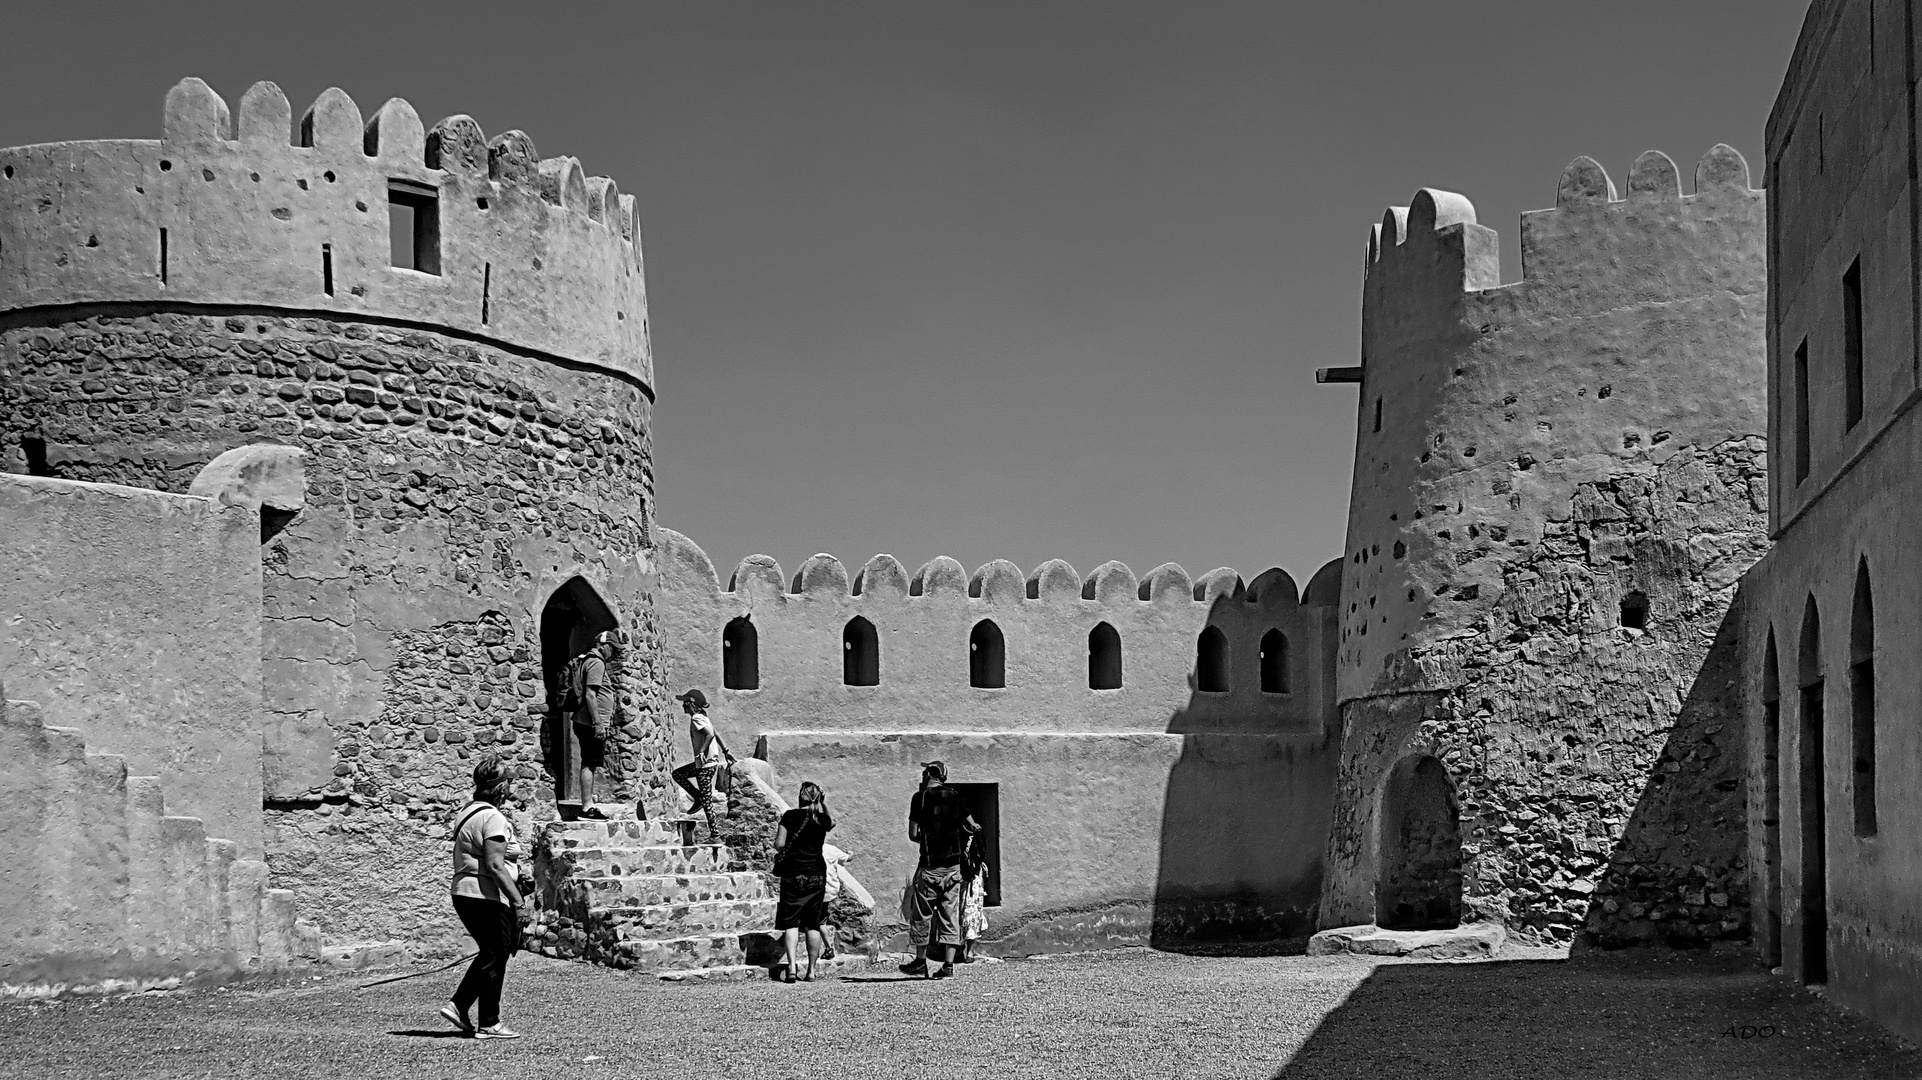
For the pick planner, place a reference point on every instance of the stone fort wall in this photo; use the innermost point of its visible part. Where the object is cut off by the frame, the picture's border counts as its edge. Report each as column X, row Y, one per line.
column 1557, row 483
column 1159, row 809
column 477, row 441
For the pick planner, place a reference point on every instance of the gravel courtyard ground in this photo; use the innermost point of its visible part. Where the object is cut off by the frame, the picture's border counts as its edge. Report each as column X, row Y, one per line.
column 1131, row 1013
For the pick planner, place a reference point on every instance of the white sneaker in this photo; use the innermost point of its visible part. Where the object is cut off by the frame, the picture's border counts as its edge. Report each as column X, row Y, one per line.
column 498, row 1031
column 457, row 1018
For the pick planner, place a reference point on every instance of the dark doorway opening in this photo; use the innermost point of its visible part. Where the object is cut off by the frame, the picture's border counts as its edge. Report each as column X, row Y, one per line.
column 1104, row 658
column 573, row 615
column 983, row 803
column 987, row 656
column 1420, row 882
column 1812, row 794
column 860, row 653
column 1211, row 661
column 1772, row 805
column 740, row 655
column 1862, row 702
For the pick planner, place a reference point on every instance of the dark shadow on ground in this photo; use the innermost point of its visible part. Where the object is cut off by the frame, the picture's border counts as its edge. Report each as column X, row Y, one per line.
column 424, row 1034
column 1637, row 1013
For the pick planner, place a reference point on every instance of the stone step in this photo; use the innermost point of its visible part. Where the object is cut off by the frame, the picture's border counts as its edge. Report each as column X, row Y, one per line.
column 610, row 892
column 592, row 862
column 567, row 835
column 654, row 921
column 692, row 952
column 840, row 966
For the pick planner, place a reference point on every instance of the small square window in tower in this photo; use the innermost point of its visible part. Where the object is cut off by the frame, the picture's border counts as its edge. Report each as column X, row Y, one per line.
column 983, row 804
column 413, row 226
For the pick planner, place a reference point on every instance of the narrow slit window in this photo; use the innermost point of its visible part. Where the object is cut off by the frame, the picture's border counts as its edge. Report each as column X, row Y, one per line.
column 1274, row 662
column 413, row 226
column 1852, row 343
column 1104, row 658
column 163, row 256
column 1377, row 414
column 740, row 655
column 860, row 653
column 1802, row 411
column 487, row 289
column 987, row 657
column 1211, row 661
column 327, row 269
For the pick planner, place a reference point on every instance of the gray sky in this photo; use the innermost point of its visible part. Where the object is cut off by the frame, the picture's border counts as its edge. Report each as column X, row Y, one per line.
column 1019, row 280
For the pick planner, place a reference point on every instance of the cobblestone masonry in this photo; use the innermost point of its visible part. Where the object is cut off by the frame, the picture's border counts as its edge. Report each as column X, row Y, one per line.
column 450, row 485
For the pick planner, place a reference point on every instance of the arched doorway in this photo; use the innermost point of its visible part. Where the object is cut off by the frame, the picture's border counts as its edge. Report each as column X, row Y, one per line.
column 569, row 622
column 1419, row 886
column 1812, row 799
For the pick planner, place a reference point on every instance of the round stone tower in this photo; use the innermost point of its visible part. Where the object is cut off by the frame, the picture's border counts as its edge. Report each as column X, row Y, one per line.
column 453, row 332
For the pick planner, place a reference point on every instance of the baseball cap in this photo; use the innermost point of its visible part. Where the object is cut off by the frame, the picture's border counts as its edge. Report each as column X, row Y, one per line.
column 695, row 696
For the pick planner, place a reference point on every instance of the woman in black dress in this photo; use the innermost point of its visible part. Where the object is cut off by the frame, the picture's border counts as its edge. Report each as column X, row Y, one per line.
column 797, row 858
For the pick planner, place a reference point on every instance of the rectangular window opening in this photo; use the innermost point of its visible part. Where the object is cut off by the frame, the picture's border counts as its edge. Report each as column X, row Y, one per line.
column 327, row 269
column 413, row 226
column 163, row 256
column 983, row 804
column 1852, row 341
column 1802, row 411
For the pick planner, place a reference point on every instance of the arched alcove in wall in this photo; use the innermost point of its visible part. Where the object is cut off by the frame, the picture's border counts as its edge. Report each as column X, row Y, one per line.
column 740, row 655
column 1812, row 799
column 987, row 656
column 1104, row 658
column 860, row 653
column 1419, row 886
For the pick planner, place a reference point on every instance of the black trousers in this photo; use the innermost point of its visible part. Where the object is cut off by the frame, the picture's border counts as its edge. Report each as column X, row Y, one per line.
column 496, row 931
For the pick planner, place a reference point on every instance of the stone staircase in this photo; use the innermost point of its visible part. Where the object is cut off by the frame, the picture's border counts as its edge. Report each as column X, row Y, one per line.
column 110, row 890
column 642, row 895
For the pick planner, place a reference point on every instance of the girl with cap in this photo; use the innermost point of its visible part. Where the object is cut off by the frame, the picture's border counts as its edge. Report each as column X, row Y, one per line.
column 710, row 757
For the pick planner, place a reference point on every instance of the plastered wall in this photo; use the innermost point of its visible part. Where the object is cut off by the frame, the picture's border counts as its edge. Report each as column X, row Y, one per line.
column 1155, row 811
column 1836, row 893
column 133, row 616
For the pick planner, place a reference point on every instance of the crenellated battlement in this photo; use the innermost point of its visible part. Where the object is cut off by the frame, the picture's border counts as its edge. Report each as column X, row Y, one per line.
column 998, row 581
column 249, row 209
column 1436, row 235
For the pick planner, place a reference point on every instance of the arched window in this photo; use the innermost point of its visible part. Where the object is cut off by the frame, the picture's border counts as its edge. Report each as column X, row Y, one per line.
column 1812, row 797
column 741, row 655
column 987, row 656
column 1862, row 701
column 860, row 653
column 1211, row 661
column 1274, row 662
column 1104, row 658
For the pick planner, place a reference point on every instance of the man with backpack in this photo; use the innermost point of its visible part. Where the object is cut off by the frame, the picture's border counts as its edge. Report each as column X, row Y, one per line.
column 588, row 707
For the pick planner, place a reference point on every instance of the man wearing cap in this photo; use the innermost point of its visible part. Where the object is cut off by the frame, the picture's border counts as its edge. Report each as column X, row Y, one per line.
column 586, row 687
column 710, row 756
column 933, row 775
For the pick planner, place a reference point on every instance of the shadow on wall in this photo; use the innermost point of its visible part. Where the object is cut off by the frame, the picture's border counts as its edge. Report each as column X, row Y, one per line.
column 1678, row 872
column 1247, row 811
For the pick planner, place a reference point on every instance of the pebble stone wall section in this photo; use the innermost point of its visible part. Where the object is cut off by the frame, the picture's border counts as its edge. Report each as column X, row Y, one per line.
column 474, row 440
column 1535, row 463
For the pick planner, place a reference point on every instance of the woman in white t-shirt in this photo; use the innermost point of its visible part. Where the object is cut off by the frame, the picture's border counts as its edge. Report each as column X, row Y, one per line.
column 487, row 897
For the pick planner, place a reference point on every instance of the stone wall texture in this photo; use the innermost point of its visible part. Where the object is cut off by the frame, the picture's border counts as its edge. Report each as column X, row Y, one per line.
column 476, row 442
column 1557, row 484
column 1158, row 810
